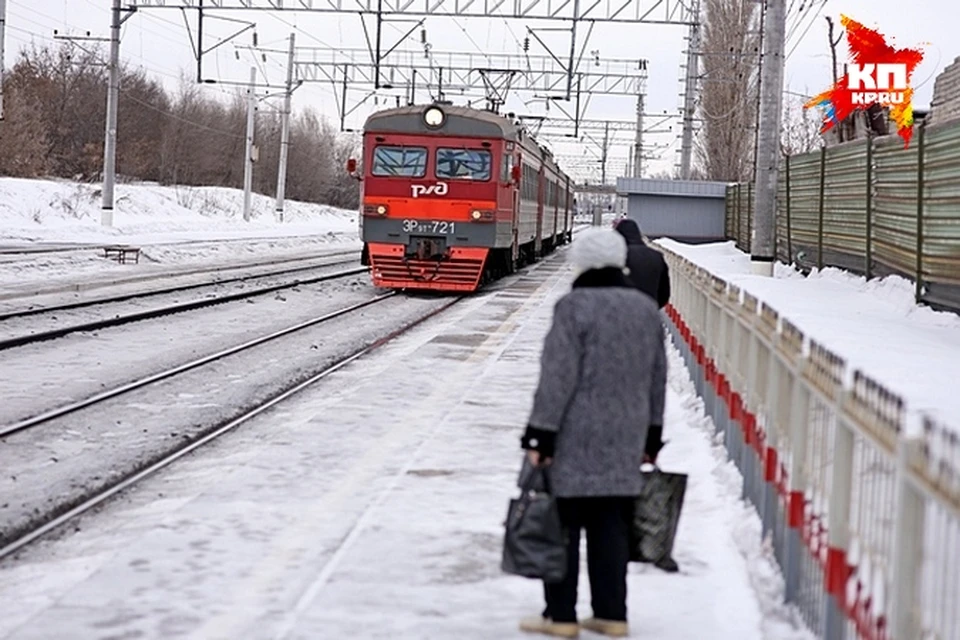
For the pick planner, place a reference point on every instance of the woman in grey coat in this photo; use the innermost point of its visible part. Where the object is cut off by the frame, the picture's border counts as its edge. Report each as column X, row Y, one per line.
column 597, row 415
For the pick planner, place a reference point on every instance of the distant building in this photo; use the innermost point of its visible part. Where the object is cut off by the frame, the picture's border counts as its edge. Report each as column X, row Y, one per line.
column 945, row 105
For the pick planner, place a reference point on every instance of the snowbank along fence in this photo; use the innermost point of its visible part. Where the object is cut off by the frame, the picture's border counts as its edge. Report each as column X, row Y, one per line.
column 872, row 207
column 863, row 518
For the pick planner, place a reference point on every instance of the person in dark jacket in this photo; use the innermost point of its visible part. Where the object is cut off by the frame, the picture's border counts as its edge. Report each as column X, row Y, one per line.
column 648, row 269
column 597, row 414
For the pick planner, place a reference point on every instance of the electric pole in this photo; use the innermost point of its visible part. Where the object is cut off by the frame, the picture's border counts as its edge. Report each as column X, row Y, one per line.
column 638, row 142
column 248, row 161
column 768, row 138
column 689, row 93
column 603, row 153
column 110, row 141
column 3, row 25
column 285, row 133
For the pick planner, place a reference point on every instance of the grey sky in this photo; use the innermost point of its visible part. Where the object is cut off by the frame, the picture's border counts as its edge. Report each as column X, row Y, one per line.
column 157, row 40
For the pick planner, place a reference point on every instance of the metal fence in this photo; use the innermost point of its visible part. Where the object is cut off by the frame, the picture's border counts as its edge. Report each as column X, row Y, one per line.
column 864, row 518
column 872, row 207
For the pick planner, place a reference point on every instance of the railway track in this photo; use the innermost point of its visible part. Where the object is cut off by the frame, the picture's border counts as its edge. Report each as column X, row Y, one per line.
column 45, row 520
column 20, row 537
column 116, row 320
column 31, row 307
column 25, row 248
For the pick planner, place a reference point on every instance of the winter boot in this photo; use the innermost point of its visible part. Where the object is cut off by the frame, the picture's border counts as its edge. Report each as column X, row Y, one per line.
column 612, row 628
column 667, row 564
column 548, row 627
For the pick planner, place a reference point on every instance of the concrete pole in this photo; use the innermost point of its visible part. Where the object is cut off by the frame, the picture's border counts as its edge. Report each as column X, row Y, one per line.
column 638, row 142
column 768, row 140
column 3, row 23
column 689, row 93
column 285, row 133
column 248, row 161
column 110, row 141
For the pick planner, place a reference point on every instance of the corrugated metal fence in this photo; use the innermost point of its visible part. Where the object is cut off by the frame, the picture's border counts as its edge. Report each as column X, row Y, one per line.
column 871, row 207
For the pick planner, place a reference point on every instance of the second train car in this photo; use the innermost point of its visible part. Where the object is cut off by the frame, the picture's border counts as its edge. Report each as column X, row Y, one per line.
column 452, row 197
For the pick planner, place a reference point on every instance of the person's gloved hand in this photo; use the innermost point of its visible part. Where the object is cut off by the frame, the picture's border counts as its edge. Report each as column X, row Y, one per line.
column 539, row 444
column 655, row 444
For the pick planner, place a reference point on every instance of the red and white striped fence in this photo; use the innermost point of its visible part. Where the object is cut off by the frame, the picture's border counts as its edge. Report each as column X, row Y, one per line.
column 864, row 520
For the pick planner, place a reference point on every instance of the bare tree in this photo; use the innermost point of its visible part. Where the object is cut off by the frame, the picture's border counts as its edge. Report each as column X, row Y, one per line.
column 55, row 116
column 800, row 127
column 728, row 99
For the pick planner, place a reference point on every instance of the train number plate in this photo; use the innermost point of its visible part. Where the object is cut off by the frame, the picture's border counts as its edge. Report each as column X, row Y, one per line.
column 436, row 227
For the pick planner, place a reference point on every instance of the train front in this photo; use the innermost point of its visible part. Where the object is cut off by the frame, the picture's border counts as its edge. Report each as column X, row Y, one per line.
column 430, row 191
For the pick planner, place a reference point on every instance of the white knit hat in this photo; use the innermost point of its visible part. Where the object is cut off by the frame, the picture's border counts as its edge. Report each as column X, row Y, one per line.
column 597, row 248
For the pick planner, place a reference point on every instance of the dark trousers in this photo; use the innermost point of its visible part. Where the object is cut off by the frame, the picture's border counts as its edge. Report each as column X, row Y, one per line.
column 607, row 522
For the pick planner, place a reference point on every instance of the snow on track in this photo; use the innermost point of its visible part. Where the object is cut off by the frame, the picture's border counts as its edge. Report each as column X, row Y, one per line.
column 372, row 507
column 876, row 326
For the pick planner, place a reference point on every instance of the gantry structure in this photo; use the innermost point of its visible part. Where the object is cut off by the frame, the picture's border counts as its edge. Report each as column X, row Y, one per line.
column 561, row 77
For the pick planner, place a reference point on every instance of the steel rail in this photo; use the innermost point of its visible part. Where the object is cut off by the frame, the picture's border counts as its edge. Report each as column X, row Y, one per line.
column 104, row 323
column 66, row 409
column 186, row 287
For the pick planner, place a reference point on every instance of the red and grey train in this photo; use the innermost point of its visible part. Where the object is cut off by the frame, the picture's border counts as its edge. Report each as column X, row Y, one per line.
column 453, row 197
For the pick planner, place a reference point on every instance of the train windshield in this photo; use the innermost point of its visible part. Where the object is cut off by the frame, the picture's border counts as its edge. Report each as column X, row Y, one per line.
column 401, row 162
column 463, row 164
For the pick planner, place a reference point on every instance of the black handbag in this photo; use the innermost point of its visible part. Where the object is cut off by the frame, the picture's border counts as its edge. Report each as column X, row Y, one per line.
column 535, row 541
column 656, row 515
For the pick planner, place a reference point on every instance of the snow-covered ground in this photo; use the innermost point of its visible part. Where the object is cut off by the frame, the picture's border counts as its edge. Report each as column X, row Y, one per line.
column 372, row 507
column 175, row 226
column 876, row 326
column 57, row 211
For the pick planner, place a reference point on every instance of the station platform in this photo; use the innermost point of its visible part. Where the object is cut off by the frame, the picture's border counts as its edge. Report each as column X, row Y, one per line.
column 372, row 507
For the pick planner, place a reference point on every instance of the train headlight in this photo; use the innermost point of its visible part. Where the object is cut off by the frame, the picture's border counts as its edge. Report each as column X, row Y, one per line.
column 434, row 117
column 382, row 210
column 476, row 215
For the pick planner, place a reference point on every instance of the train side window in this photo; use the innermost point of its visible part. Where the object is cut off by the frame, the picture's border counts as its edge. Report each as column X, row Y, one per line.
column 464, row 164
column 399, row 162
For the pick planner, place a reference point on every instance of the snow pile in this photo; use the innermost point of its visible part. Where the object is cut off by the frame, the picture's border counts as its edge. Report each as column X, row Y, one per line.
column 61, row 211
column 876, row 326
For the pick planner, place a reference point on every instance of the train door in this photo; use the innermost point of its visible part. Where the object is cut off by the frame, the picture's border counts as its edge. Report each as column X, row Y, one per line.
column 556, row 211
column 538, row 240
column 515, row 247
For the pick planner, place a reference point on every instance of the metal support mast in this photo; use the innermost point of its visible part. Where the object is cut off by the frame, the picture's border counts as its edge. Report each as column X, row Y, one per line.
column 285, row 132
column 248, row 160
column 689, row 93
column 110, row 141
column 638, row 143
column 3, row 23
column 768, row 141
column 603, row 155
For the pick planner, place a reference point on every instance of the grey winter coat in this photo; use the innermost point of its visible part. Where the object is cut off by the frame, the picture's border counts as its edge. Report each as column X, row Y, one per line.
column 602, row 384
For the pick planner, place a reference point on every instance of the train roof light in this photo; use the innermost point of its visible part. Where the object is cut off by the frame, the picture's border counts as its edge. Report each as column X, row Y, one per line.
column 434, row 117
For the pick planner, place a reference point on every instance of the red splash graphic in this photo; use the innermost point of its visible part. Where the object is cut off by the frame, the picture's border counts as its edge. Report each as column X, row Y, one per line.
column 869, row 47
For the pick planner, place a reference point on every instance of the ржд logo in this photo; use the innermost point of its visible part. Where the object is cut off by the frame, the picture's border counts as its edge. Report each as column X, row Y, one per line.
column 418, row 190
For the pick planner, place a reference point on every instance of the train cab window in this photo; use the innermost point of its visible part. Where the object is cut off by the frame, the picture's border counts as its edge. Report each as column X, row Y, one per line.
column 399, row 162
column 464, row 164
